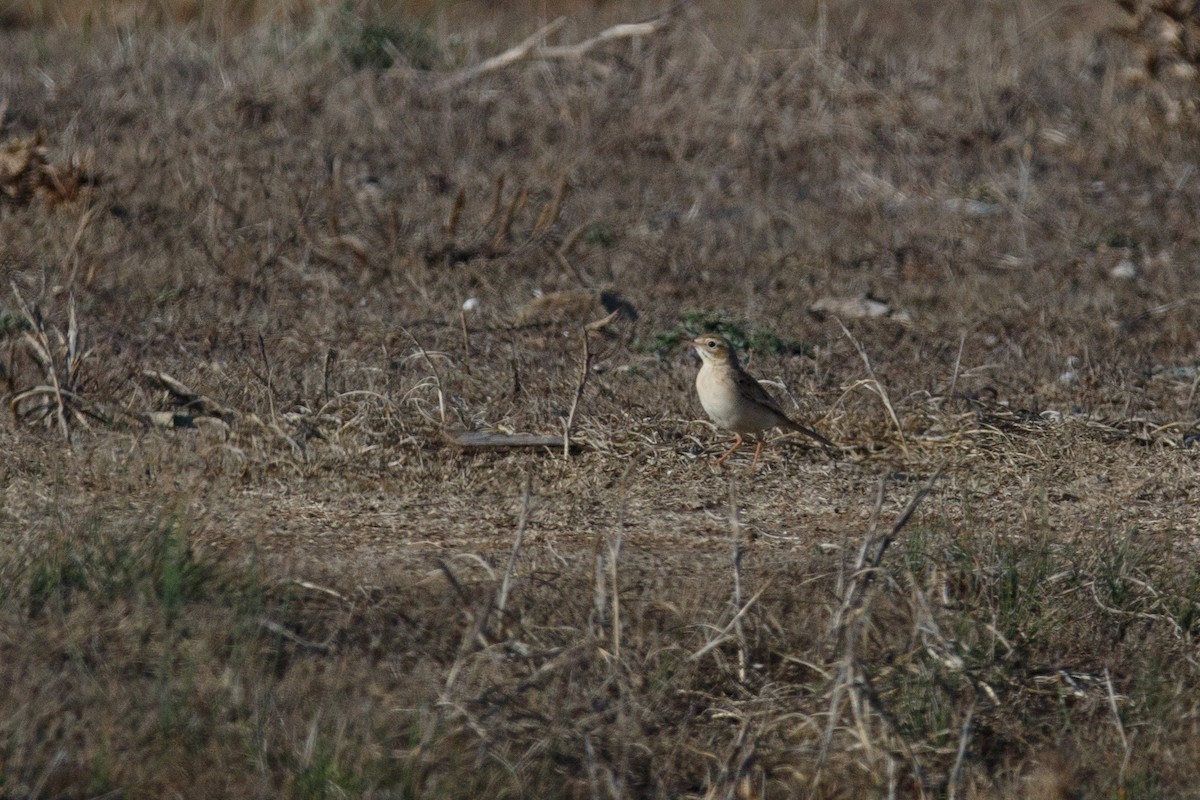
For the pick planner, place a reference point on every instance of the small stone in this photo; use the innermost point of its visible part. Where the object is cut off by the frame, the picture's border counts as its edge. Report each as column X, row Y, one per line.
column 1125, row 270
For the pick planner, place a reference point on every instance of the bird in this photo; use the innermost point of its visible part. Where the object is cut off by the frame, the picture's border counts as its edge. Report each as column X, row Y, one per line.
column 734, row 400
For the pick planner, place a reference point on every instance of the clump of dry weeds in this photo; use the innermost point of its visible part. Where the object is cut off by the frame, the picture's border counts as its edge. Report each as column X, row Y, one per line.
column 26, row 174
column 952, row 665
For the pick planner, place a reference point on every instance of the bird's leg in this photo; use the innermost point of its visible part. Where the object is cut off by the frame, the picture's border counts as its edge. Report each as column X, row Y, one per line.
column 757, row 451
column 736, row 444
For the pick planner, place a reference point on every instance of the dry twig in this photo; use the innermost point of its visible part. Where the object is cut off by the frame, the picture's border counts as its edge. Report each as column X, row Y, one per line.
column 533, row 48
column 853, row 679
column 875, row 385
column 1126, row 747
column 437, row 378
column 585, row 369
column 522, row 522
column 182, row 396
column 491, row 440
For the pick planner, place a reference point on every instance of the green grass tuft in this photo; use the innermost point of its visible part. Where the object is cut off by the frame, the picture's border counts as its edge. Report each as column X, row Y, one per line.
column 378, row 44
column 12, row 322
column 744, row 337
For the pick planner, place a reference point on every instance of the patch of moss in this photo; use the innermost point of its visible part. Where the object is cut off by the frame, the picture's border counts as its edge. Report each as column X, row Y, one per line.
column 378, row 45
column 12, row 322
column 744, row 337
column 599, row 234
column 1116, row 239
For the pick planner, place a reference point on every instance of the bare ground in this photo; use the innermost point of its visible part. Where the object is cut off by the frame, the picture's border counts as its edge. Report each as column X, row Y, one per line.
column 297, row 587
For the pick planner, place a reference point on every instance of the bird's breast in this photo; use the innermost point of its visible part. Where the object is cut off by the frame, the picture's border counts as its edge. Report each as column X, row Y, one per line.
column 719, row 395
column 725, row 405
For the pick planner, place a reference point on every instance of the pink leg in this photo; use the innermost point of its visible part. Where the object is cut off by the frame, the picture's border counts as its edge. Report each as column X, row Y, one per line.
column 757, row 452
column 736, row 444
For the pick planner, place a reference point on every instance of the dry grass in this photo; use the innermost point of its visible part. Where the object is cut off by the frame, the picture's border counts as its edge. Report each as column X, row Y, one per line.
column 253, row 566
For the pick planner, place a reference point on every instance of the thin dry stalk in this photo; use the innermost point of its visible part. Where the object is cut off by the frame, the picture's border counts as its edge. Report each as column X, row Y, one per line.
column 497, row 196
column 462, row 318
column 71, row 258
column 59, row 398
column 60, row 756
column 740, row 609
column 840, row 682
column 1120, row 726
column 585, row 369
column 269, row 379
column 593, row 768
column 316, row 587
column 853, row 680
column 741, row 776
column 735, row 536
column 1019, row 216
column 504, row 232
column 489, row 440
column 551, row 210
column 460, row 200
column 182, row 395
column 842, row 589
column 1118, row 612
column 723, row 635
column 963, row 738
column 962, row 342
column 614, row 555
column 605, row 577
column 279, row 630
column 331, row 356
column 437, row 378
column 572, row 239
column 599, row 589
column 627, row 30
column 605, row 584
column 876, row 386
column 522, row 522
column 870, row 570
column 562, row 253
column 583, row 282
column 473, row 638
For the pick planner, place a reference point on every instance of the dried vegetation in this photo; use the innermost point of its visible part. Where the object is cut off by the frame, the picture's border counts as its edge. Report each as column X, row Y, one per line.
column 260, row 279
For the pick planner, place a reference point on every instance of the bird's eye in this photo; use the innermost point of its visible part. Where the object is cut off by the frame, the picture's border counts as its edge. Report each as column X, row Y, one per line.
column 712, row 345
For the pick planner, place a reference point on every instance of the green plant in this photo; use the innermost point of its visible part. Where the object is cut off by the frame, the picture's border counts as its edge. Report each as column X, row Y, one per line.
column 321, row 776
column 743, row 337
column 599, row 234
column 12, row 322
column 157, row 564
column 379, row 44
column 1114, row 238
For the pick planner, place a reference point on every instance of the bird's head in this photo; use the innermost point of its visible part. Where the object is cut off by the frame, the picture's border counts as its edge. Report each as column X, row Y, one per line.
column 714, row 349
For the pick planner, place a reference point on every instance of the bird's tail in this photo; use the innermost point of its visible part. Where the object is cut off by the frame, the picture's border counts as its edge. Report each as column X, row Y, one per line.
column 796, row 427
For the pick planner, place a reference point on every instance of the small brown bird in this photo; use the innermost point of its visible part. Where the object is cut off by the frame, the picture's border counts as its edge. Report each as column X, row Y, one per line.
column 735, row 400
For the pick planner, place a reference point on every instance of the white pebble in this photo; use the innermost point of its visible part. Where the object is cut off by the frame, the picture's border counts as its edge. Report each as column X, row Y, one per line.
column 1126, row 270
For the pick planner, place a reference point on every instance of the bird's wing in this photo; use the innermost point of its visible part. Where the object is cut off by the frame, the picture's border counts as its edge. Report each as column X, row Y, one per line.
column 755, row 391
